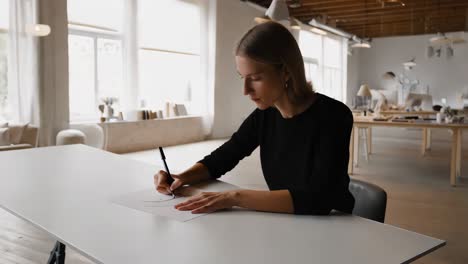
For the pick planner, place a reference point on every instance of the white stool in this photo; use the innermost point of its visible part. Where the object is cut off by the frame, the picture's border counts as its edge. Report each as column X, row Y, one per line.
column 94, row 134
column 70, row 136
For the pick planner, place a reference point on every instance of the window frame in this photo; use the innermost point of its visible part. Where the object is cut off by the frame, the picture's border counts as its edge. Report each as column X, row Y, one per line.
column 95, row 33
column 143, row 48
column 321, row 66
column 151, row 48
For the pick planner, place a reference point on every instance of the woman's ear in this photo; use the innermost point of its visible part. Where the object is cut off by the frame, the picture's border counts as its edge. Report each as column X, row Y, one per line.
column 286, row 74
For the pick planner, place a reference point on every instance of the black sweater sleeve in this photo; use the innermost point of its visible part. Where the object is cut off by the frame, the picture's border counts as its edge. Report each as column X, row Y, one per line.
column 241, row 144
column 328, row 184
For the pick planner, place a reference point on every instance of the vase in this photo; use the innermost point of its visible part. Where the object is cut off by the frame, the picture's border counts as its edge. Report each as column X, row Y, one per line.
column 108, row 111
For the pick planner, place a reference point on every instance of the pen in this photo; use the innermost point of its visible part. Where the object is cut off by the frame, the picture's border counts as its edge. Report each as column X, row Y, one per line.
column 170, row 180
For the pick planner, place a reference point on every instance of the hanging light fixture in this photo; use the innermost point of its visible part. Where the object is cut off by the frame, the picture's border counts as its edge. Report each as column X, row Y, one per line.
column 318, row 31
column 262, row 19
column 361, row 44
column 37, row 30
column 410, row 64
column 315, row 27
column 295, row 24
column 277, row 11
column 294, row 3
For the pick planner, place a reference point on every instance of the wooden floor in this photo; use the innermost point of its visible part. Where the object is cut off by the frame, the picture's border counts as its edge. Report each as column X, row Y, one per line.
column 21, row 242
column 419, row 199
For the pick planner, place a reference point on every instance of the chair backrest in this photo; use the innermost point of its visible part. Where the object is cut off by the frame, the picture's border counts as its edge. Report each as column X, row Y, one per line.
column 370, row 200
column 94, row 134
column 30, row 135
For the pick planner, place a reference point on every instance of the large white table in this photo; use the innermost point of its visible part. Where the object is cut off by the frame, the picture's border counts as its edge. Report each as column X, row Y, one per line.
column 66, row 191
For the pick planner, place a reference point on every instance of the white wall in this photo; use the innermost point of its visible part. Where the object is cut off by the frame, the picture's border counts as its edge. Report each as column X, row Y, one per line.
column 445, row 77
column 353, row 72
column 234, row 18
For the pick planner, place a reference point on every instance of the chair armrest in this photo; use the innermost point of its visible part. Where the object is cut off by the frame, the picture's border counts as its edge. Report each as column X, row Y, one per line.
column 15, row 147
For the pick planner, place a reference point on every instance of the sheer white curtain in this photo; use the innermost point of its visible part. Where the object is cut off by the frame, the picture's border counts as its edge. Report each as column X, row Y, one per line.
column 23, row 81
column 130, row 55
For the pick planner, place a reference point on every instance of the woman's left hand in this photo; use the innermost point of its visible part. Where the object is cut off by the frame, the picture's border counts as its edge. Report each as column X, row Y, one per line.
column 208, row 202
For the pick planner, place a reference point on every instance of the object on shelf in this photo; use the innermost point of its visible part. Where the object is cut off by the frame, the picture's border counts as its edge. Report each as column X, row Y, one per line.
column 180, row 110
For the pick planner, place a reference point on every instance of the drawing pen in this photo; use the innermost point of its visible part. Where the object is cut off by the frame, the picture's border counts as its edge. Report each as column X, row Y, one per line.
column 170, row 180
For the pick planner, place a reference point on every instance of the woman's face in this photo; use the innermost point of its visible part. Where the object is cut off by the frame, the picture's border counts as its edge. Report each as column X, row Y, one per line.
column 263, row 83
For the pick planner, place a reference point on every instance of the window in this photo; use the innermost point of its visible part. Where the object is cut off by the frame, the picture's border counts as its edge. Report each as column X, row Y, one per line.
column 169, row 55
column 95, row 55
column 325, row 63
column 332, row 65
column 4, row 18
column 311, row 46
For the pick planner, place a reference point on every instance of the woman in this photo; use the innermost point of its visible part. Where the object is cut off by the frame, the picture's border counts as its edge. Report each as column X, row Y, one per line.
column 303, row 136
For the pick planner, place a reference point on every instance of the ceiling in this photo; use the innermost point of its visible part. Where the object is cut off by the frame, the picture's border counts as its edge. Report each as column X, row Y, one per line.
column 372, row 18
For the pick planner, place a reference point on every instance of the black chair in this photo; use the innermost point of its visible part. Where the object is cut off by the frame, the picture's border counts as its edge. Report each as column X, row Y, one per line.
column 371, row 200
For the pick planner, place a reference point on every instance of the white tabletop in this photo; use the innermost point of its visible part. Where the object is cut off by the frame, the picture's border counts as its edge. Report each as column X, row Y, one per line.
column 66, row 191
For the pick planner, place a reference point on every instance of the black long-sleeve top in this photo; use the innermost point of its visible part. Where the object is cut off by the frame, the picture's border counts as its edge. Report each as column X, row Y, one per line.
column 306, row 154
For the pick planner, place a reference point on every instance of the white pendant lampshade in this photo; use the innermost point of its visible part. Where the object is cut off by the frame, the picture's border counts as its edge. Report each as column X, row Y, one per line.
column 364, row 91
column 316, row 27
column 318, row 31
column 262, row 19
column 278, row 10
column 361, row 44
column 295, row 24
column 37, row 30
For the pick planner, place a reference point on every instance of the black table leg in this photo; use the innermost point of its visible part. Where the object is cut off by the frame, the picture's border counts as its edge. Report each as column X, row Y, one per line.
column 57, row 255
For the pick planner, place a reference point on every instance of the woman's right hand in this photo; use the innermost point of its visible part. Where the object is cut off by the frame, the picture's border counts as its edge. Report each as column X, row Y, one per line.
column 161, row 182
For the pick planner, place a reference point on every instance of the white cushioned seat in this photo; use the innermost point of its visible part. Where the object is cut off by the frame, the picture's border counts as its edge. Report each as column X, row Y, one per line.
column 93, row 132
column 70, row 136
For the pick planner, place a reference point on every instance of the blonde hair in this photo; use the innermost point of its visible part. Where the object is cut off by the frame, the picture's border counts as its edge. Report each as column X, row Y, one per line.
column 273, row 44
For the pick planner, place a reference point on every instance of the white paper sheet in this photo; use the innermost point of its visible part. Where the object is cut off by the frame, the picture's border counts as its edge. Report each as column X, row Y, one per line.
column 152, row 202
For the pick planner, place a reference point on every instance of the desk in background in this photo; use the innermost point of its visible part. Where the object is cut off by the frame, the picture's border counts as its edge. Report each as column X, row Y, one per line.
column 394, row 113
column 368, row 122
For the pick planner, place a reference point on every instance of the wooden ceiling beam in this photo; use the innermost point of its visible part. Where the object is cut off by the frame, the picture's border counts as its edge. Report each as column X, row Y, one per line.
column 396, row 29
column 422, row 14
column 455, row 21
column 410, row 17
column 359, row 12
column 466, row 19
column 370, row 4
column 369, row 18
